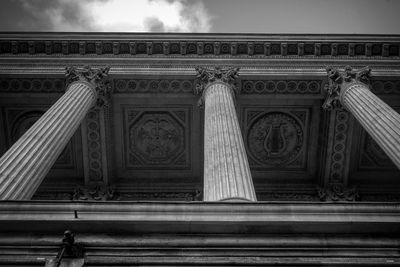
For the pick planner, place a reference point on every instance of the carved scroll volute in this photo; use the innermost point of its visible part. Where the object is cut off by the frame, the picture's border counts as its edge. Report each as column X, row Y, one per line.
column 338, row 82
column 206, row 76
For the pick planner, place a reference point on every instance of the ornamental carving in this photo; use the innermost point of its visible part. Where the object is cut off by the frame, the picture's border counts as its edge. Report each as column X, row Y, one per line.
column 153, row 86
column 337, row 79
column 157, row 138
column 281, row 87
column 275, row 138
column 186, row 86
column 109, row 193
column 338, row 193
column 98, row 77
column 95, row 149
column 206, row 76
column 341, row 128
column 96, row 193
column 198, row 47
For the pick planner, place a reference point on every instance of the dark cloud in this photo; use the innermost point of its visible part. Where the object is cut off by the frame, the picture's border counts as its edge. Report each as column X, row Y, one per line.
column 56, row 15
column 153, row 24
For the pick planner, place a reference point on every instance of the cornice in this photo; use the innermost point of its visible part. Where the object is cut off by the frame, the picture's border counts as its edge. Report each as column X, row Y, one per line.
column 184, row 45
column 261, row 217
column 187, row 36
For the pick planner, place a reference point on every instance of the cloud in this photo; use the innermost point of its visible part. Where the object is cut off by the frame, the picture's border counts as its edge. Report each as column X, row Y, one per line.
column 117, row 15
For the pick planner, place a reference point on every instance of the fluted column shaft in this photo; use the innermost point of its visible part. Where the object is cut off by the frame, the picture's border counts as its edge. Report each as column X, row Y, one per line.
column 24, row 166
column 349, row 89
column 27, row 162
column 226, row 169
column 377, row 118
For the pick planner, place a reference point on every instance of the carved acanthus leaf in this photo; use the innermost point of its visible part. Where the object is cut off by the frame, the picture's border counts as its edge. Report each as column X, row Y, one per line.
column 337, row 79
column 98, row 77
column 337, row 192
column 218, row 74
column 96, row 193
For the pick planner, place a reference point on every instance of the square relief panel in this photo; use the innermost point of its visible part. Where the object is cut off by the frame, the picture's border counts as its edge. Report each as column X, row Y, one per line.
column 157, row 137
column 276, row 138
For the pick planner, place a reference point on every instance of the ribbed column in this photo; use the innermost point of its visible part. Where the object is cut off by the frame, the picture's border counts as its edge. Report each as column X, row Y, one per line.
column 377, row 118
column 349, row 89
column 227, row 174
column 27, row 162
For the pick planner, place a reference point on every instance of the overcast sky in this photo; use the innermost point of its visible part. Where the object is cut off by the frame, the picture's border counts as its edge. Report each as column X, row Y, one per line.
column 250, row 16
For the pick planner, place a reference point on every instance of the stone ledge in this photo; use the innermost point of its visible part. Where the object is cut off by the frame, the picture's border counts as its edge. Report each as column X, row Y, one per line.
column 213, row 250
column 199, row 217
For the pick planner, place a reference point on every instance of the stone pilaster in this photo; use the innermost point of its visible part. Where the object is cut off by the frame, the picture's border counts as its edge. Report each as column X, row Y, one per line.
column 27, row 162
column 350, row 89
column 227, row 174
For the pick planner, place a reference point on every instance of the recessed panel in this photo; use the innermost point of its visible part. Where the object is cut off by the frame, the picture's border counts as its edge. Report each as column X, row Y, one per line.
column 276, row 139
column 157, row 138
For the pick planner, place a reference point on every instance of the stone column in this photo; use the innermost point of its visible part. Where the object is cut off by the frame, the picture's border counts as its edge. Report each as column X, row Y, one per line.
column 227, row 174
column 350, row 89
column 27, row 162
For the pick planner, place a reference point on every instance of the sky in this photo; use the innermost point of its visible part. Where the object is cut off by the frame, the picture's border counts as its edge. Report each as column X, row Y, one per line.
column 212, row 16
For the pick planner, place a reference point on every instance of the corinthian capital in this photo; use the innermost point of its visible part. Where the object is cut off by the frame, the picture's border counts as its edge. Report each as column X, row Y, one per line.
column 339, row 80
column 96, row 77
column 206, row 76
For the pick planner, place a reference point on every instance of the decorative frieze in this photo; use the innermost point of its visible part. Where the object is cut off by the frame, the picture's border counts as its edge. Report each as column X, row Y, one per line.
column 49, row 85
column 32, row 85
column 385, row 86
column 280, row 196
column 109, row 193
column 281, row 87
column 200, row 47
column 152, row 86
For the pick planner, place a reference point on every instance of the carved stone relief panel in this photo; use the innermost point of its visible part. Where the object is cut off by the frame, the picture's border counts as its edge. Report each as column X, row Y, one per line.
column 277, row 138
column 157, row 137
column 20, row 120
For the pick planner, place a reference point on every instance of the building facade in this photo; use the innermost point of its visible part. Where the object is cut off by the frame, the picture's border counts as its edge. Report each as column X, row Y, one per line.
column 199, row 149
